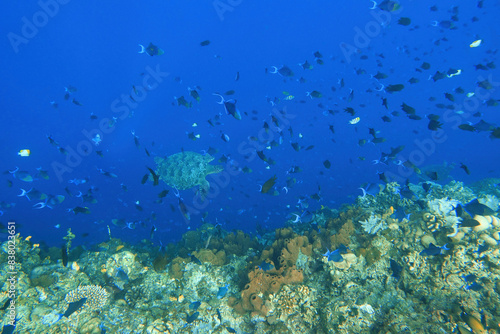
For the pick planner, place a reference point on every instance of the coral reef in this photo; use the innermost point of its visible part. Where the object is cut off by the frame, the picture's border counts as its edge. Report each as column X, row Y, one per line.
column 96, row 296
column 385, row 281
column 373, row 224
column 255, row 295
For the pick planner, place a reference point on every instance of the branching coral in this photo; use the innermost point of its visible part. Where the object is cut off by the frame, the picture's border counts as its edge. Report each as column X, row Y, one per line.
column 373, row 224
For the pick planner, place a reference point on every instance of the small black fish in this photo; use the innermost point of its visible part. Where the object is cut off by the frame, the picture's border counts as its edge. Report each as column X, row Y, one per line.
column 205, row 43
column 79, row 209
column 467, row 127
column 404, row 21
column 438, row 76
column 64, row 254
column 296, row 146
column 458, row 210
column 327, row 164
column 407, row 109
column 268, row 185
column 383, row 177
column 384, row 103
column 465, row 168
column 156, row 178
column 434, row 125
column 469, row 222
column 152, row 232
column 77, row 102
column 394, row 88
column 195, row 259
column 396, row 269
column 145, row 178
column 476, row 208
column 163, row 193
column 433, row 250
column 432, row 175
column 74, row 306
column 425, row 66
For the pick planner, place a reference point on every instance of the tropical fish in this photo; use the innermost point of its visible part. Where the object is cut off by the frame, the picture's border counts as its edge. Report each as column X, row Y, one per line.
column 379, row 76
column 404, row 21
column 64, row 255
column 265, row 266
column 396, row 269
column 73, row 307
column 194, row 94
column 354, row 120
column 24, row 153
column 22, row 175
column 106, row 173
column 306, row 66
column 284, row 71
column 79, row 209
column 386, row 5
column 229, row 107
column 336, row 255
column 76, row 102
column 476, row 43
column 314, row 94
column 156, row 177
column 224, row 137
column 163, row 193
column 194, row 305
column 181, row 101
column 192, row 317
column 42, row 173
column 434, row 125
column 268, row 185
column 394, row 88
column 222, row 291
column 475, row 208
column 151, row 50
column 433, row 250
column 465, row 168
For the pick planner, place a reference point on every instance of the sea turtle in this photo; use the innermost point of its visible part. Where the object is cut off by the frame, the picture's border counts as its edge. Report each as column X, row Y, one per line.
column 187, row 169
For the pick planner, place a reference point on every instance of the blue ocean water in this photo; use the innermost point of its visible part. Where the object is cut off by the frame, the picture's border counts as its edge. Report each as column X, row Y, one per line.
column 93, row 46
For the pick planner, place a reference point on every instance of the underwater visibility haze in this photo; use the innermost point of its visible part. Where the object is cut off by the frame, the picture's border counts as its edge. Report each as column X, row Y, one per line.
column 236, row 166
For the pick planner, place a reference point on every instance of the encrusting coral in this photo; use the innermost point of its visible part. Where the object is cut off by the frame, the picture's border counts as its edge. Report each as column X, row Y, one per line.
column 255, row 295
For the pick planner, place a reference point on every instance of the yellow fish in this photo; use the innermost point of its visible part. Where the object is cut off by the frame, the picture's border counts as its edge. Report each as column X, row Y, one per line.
column 289, row 98
column 119, row 247
column 24, row 153
column 354, row 120
column 476, row 43
column 458, row 72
